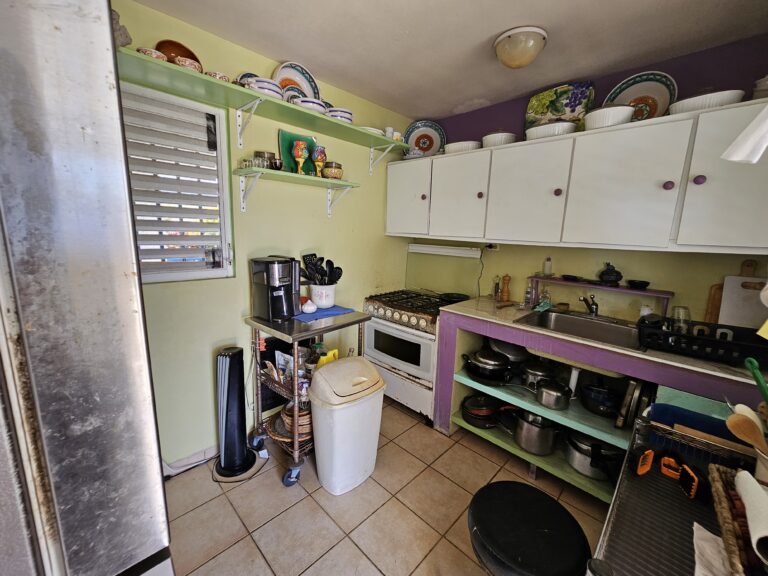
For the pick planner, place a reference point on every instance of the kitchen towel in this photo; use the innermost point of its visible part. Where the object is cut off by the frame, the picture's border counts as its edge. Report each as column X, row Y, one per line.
column 756, row 504
column 323, row 313
column 709, row 551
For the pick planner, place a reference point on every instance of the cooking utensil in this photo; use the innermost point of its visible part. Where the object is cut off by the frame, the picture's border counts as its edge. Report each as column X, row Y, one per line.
column 535, row 371
column 600, row 400
column 480, row 410
column 337, row 272
column 489, row 367
column 329, row 271
column 591, row 457
column 744, row 429
column 552, row 394
column 754, row 368
column 751, row 414
column 535, row 434
column 714, row 301
column 513, row 352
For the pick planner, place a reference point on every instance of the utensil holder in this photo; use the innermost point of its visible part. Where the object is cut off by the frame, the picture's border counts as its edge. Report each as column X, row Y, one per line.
column 323, row 296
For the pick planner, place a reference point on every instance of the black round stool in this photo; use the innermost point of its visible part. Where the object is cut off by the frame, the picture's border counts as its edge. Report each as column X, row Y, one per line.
column 518, row 530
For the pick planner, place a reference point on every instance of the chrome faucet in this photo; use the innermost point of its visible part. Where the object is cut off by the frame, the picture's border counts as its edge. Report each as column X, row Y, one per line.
column 592, row 306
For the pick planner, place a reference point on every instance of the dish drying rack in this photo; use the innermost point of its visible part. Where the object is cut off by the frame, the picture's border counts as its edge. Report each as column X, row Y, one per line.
column 295, row 442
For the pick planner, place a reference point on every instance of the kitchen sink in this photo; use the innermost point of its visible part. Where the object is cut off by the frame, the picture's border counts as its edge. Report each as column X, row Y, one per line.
column 600, row 328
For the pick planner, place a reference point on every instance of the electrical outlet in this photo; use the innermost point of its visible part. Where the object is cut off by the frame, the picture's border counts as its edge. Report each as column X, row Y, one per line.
column 492, row 247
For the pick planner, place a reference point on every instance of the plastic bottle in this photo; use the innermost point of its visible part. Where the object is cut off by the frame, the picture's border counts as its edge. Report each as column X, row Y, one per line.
column 528, row 300
column 547, row 266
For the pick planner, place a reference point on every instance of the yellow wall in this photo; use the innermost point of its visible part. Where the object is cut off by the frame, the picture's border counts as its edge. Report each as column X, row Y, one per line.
column 188, row 322
column 689, row 276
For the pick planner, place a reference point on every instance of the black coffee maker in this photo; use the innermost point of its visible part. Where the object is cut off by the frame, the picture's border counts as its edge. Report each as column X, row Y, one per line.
column 275, row 288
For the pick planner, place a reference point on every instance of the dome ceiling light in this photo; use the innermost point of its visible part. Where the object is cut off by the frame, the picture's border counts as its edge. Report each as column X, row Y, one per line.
column 518, row 47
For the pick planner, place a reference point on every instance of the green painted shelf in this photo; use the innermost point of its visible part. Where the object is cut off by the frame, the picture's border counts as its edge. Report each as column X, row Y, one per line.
column 555, row 463
column 575, row 417
column 139, row 69
column 292, row 178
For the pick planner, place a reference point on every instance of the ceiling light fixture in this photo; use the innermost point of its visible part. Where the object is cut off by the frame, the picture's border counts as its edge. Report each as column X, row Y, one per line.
column 518, row 47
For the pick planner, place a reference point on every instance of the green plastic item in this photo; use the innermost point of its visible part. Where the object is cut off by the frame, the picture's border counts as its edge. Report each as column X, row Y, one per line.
column 285, row 142
column 754, row 367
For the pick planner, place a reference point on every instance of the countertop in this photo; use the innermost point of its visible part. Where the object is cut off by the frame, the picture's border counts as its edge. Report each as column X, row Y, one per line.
column 484, row 308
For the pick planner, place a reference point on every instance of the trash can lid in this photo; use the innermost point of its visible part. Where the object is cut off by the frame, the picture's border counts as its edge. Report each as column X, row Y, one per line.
column 345, row 380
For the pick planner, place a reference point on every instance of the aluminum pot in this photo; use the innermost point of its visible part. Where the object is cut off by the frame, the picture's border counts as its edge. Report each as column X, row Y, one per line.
column 552, row 394
column 488, row 366
column 535, row 434
column 591, row 457
column 535, row 371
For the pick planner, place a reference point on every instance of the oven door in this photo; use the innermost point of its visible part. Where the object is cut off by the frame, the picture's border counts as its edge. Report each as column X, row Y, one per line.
column 403, row 348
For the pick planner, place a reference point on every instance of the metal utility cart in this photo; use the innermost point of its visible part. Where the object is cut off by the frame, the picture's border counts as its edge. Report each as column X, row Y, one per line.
column 293, row 332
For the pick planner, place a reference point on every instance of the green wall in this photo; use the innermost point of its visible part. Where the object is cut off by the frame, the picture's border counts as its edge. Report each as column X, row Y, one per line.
column 187, row 322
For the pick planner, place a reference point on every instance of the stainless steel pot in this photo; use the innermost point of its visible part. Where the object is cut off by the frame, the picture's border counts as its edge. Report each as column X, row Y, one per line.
column 592, row 457
column 535, row 371
column 535, row 434
column 552, row 394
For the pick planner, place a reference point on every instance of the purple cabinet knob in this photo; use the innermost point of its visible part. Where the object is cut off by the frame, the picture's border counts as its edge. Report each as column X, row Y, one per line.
column 423, row 196
column 668, row 185
column 480, row 194
column 558, row 192
column 699, row 180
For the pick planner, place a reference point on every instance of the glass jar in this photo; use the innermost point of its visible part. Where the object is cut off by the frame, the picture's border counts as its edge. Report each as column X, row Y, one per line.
column 333, row 171
column 263, row 159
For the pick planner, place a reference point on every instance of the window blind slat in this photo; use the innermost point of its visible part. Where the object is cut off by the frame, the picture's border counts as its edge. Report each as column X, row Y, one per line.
column 183, row 227
column 157, row 184
column 140, row 134
column 173, row 198
column 159, row 122
column 166, row 109
column 152, row 253
column 174, row 212
column 156, row 240
column 136, row 165
column 168, row 266
column 171, row 154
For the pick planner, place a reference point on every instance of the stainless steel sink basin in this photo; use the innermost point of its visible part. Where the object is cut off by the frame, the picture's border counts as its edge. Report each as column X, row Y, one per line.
column 600, row 328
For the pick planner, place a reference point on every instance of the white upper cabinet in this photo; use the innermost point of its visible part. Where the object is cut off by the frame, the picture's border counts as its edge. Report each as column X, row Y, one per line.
column 527, row 192
column 726, row 203
column 624, row 185
column 459, row 195
column 408, row 192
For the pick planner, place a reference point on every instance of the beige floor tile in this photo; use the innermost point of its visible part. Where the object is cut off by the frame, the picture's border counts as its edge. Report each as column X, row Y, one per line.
column 592, row 528
column 242, row 558
column 394, row 422
column 395, row 539
column 382, row 440
column 227, row 486
column 459, row 434
column 351, row 508
column 552, row 485
column 465, row 467
column 517, row 465
column 308, row 477
column 395, row 467
column 458, row 535
column 263, row 497
column 344, row 559
column 203, row 533
column 189, row 490
column 293, row 541
column 584, row 502
column 436, row 500
column 445, row 560
column 277, row 453
column 405, row 410
column 485, row 448
column 505, row 475
column 423, row 442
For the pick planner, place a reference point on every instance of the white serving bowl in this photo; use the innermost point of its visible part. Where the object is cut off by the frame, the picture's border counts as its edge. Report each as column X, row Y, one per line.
column 341, row 118
column 340, row 111
column 311, row 104
column 549, row 130
column 705, row 101
column 498, row 138
column 609, row 116
column 266, row 91
column 464, row 146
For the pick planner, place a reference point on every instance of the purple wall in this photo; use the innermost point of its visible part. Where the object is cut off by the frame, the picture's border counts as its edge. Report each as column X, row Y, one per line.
column 729, row 67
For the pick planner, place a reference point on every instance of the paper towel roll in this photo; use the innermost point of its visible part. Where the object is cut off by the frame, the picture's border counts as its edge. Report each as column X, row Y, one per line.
column 756, row 503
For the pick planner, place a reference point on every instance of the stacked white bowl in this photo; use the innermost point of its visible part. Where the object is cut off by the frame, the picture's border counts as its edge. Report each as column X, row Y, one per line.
column 311, row 104
column 609, row 116
column 464, row 146
column 549, row 130
column 265, row 86
column 342, row 114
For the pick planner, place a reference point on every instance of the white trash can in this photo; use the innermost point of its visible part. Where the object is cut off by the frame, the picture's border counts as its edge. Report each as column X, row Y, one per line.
column 346, row 397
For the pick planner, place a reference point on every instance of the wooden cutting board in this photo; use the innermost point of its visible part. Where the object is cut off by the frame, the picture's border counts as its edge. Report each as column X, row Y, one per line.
column 715, row 299
column 741, row 305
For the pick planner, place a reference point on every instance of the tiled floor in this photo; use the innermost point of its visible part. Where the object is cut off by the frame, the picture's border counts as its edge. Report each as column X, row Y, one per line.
column 409, row 517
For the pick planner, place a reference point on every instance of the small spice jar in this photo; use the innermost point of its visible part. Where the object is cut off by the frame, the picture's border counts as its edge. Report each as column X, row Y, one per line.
column 263, row 159
column 333, row 171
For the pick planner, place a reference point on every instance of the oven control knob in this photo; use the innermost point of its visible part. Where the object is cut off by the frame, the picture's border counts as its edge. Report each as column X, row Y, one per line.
column 404, row 318
column 388, row 313
column 414, row 320
column 379, row 311
column 396, row 316
column 371, row 309
column 422, row 323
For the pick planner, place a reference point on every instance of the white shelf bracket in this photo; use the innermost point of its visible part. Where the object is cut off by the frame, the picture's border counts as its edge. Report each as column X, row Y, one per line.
column 372, row 160
column 331, row 201
column 250, row 108
column 246, row 185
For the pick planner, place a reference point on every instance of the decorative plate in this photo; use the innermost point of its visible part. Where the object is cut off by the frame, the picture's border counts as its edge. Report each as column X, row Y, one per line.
column 649, row 93
column 372, row 130
column 425, row 135
column 242, row 78
column 293, row 74
column 569, row 103
column 285, row 142
column 290, row 93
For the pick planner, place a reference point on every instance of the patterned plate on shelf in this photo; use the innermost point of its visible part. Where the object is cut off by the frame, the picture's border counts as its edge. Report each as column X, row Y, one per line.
column 293, row 74
column 649, row 93
column 566, row 103
column 425, row 135
column 290, row 93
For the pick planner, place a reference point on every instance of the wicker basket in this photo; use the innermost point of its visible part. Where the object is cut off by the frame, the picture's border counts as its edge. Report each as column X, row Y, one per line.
column 305, row 419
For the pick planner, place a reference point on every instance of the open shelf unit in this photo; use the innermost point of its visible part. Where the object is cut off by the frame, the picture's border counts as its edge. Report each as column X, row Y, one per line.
column 576, row 417
column 555, row 463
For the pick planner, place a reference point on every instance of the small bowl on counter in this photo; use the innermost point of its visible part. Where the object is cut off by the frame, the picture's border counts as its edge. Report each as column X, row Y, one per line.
column 498, row 139
column 550, row 130
column 332, row 171
column 152, row 53
column 464, row 146
column 188, row 63
column 706, row 101
column 610, row 116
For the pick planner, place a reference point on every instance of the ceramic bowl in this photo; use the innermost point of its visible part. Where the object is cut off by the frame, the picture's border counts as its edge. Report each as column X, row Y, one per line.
column 498, row 139
column 707, row 101
column 549, row 130
column 188, row 63
column 339, row 114
column 609, row 116
column 267, row 83
column 311, row 104
column 341, row 118
column 156, row 54
column 464, row 146
column 244, row 78
column 638, row 284
column 218, row 75
column 267, row 91
column 342, row 111
column 172, row 49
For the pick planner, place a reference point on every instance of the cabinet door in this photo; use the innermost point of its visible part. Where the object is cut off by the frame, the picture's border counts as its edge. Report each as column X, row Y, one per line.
column 459, row 195
column 726, row 203
column 624, row 185
column 526, row 196
column 408, row 197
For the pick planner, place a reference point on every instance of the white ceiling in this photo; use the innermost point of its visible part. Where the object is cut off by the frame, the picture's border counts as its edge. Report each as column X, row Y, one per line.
column 434, row 58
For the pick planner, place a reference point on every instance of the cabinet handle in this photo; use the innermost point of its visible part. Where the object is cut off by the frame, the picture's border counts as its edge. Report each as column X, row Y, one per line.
column 480, row 194
column 668, row 185
column 699, row 180
column 558, row 192
column 423, row 196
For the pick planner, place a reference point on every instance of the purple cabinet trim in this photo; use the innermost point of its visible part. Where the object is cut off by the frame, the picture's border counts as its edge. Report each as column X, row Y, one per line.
column 706, row 385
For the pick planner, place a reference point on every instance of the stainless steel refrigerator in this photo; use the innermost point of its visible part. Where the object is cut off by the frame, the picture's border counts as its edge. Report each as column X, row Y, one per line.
column 80, row 475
